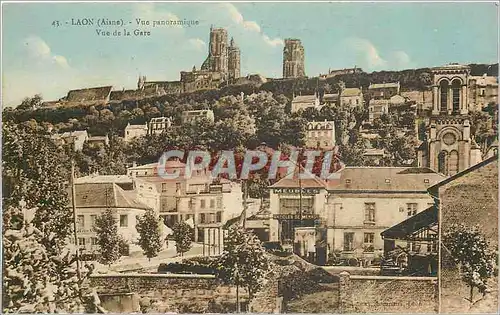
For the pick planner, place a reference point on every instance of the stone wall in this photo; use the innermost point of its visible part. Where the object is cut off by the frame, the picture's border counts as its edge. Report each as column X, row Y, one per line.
column 378, row 294
column 175, row 292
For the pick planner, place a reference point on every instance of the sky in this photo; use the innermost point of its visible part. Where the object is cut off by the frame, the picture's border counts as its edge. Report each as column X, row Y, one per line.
column 40, row 57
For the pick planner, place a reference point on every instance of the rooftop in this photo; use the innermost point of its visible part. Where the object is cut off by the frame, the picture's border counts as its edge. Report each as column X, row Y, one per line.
column 89, row 94
column 350, row 92
column 394, row 179
column 104, row 195
column 103, row 179
column 383, row 85
column 304, row 98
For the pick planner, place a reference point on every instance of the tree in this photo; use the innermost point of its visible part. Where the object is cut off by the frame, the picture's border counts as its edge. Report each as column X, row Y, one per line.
column 35, row 279
column 244, row 262
column 148, row 227
column 469, row 248
column 108, row 239
column 30, row 103
column 183, row 235
column 35, row 172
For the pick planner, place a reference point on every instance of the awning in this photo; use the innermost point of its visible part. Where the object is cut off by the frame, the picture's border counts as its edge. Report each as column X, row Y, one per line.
column 403, row 230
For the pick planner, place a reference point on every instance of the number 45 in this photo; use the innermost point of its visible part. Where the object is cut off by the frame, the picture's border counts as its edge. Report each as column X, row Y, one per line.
column 55, row 23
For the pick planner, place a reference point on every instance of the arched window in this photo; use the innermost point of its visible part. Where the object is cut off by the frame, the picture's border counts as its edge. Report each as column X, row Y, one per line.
column 453, row 163
column 455, row 88
column 443, row 162
column 443, row 104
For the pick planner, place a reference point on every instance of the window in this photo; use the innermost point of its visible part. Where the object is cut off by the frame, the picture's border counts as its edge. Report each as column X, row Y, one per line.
column 455, row 88
column 93, row 218
column 163, row 187
column 368, row 242
column 218, row 218
column 370, row 212
column 348, row 241
column 93, row 241
column 411, row 208
column 443, row 86
column 212, row 203
column 219, row 202
column 177, row 187
column 202, row 203
column 80, row 221
column 292, row 206
column 443, row 162
column 123, row 220
column 81, row 241
column 202, row 218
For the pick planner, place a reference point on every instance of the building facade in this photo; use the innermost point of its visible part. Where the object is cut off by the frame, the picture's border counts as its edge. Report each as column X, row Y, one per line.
column 135, row 131
column 377, row 108
column 197, row 200
column 320, row 134
column 93, row 199
column 449, row 147
column 75, row 139
column 483, row 90
column 293, row 59
column 302, row 102
column 351, row 97
column 194, row 116
column 343, row 217
column 383, row 90
column 158, row 125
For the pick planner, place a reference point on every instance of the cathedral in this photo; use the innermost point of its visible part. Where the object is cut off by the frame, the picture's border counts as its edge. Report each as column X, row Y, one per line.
column 222, row 65
column 449, row 147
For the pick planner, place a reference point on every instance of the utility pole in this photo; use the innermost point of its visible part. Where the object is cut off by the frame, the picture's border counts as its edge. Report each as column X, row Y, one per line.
column 73, row 203
column 245, row 205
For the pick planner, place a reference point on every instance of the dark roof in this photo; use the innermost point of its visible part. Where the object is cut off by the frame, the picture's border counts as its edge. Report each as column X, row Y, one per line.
column 464, row 172
column 385, row 179
column 104, row 195
column 426, row 218
column 90, row 94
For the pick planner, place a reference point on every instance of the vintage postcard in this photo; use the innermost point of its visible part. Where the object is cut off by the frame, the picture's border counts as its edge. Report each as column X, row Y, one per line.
column 250, row 157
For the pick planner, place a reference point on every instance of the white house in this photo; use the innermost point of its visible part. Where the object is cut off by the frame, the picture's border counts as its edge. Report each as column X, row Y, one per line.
column 135, row 131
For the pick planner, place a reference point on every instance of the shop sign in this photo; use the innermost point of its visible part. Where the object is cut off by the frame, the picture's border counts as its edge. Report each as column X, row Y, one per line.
column 290, row 216
column 305, row 191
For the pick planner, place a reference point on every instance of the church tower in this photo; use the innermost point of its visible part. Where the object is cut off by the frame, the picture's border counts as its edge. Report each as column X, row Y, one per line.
column 449, row 147
column 218, row 50
column 293, row 59
column 234, row 61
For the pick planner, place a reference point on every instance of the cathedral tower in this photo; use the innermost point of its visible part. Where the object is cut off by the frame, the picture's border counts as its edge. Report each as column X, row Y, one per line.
column 293, row 59
column 233, row 61
column 217, row 60
column 449, row 147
